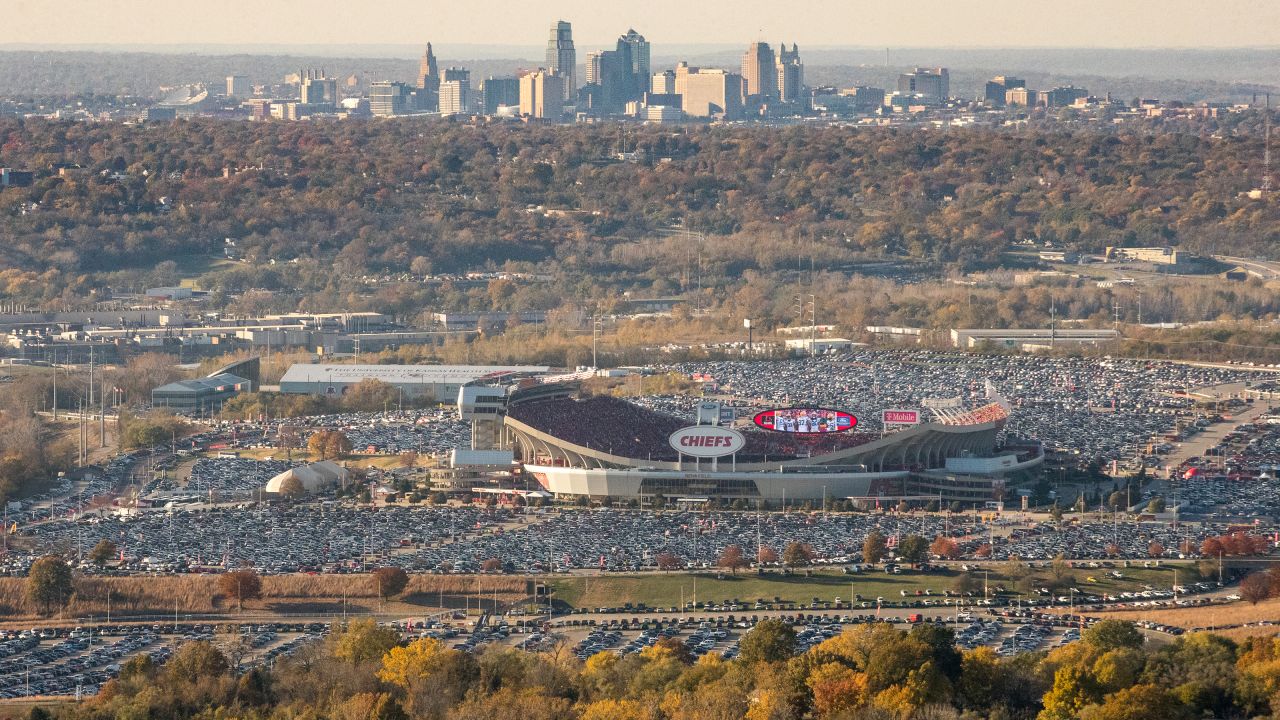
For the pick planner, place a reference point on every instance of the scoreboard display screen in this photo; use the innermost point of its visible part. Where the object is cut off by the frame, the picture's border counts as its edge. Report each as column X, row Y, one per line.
column 805, row 421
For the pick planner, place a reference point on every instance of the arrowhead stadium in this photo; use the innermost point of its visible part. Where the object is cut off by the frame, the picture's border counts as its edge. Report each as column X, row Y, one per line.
column 606, row 448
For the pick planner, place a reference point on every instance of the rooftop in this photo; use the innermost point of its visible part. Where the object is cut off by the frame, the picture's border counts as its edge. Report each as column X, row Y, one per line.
column 441, row 374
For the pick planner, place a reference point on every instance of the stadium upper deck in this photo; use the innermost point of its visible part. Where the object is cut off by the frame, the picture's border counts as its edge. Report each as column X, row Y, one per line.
column 606, row 447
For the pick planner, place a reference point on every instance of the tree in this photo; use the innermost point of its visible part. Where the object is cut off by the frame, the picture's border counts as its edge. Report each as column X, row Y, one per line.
column 240, row 585
column 966, row 583
column 1117, row 500
column 1139, row 702
column 1255, row 587
column 412, row 663
column 769, row 641
column 292, row 488
column 1155, row 549
column 491, row 565
column 388, row 581
column 364, row 640
column 669, row 561
column 1055, row 512
column 1113, row 634
column 1156, row 506
column 102, row 552
column 408, row 459
column 766, row 555
column 329, row 444
column 873, row 547
column 49, row 584
column 732, row 558
column 914, row 549
column 797, row 554
column 945, row 547
column 195, row 662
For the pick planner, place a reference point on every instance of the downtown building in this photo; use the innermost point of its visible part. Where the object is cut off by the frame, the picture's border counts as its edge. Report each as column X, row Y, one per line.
column 562, row 59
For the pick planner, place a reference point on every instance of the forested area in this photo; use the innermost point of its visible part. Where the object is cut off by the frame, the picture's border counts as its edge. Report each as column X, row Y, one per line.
column 371, row 196
column 871, row 672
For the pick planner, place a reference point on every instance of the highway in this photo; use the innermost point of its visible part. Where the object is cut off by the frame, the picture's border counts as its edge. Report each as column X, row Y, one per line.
column 1265, row 269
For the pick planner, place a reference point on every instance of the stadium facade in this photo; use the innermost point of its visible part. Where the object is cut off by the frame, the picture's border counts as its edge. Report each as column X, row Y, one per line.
column 609, row 449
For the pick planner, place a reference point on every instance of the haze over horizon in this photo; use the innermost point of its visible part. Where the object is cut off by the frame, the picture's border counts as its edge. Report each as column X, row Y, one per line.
column 997, row 24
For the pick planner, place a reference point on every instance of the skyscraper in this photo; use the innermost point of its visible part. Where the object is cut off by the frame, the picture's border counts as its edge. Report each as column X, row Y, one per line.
column 705, row 93
column 388, row 98
column 933, row 85
column 316, row 89
column 562, row 58
column 634, row 51
column 455, row 92
column 500, row 93
column 542, row 95
column 759, row 74
column 428, row 81
column 608, row 82
column 790, row 74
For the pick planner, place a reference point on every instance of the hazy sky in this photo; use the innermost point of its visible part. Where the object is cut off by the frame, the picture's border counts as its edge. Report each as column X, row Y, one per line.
column 874, row 23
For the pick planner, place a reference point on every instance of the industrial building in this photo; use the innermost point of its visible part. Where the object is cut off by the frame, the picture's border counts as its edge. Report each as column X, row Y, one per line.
column 1032, row 339
column 205, row 394
column 433, row 382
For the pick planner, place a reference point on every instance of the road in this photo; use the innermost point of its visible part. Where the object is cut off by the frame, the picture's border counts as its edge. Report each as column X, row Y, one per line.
column 1265, row 269
column 1197, row 445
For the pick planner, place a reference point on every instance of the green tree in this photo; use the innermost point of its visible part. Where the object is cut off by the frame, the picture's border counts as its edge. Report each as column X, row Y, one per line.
column 195, row 662
column 1113, row 634
column 363, row 640
column 769, row 641
column 49, row 584
column 873, row 547
column 914, row 549
column 103, row 552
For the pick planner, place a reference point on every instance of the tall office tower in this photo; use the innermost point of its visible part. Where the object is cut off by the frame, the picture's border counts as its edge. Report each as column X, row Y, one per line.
column 316, row 89
column 562, row 59
column 608, row 82
column 663, row 83
column 933, row 85
column 704, row 93
column 428, row 81
column 759, row 74
column 499, row 93
column 388, row 98
column 790, row 74
column 238, row 87
column 455, row 92
column 542, row 95
column 634, row 51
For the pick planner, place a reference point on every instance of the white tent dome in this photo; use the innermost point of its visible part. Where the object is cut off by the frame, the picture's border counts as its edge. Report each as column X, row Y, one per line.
column 314, row 478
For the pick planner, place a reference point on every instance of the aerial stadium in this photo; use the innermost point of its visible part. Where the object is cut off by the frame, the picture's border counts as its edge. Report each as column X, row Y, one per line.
column 606, row 448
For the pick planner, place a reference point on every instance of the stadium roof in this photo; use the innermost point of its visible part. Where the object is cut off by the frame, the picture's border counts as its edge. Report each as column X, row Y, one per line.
column 438, row 374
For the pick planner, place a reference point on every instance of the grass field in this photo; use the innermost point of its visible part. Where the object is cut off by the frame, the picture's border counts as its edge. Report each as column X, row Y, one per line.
column 664, row 590
column 1237, row 613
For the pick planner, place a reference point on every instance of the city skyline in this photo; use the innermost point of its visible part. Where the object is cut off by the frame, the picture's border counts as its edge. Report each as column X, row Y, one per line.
column 1000, row 23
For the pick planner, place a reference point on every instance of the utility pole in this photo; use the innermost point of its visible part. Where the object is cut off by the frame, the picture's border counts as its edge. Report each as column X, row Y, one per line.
column 1116, row 309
